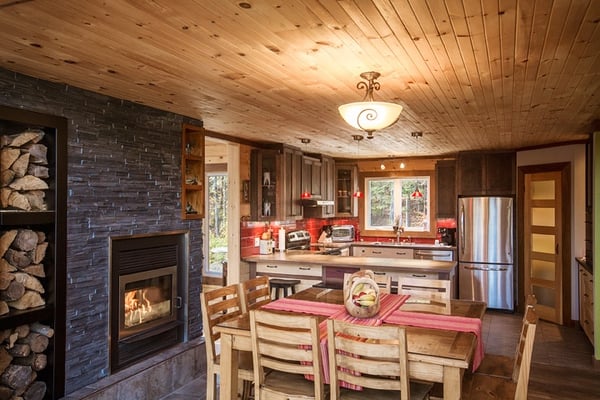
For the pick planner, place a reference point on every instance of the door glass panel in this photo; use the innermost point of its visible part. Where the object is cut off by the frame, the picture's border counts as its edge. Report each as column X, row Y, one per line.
column 542, row 269
column 542, row 190
column 545, row 296
column 542, row 216
column 542, row 243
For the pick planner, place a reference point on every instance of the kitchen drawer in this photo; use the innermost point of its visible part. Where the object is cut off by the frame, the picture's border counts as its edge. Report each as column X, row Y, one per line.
column 383, row 252
column 289, row 269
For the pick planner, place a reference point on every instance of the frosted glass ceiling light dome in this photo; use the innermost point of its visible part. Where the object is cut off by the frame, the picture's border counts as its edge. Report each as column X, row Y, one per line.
column 370, row 115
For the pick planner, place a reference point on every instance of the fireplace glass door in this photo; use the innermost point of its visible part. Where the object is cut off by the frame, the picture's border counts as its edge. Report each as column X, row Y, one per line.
column 147, row 300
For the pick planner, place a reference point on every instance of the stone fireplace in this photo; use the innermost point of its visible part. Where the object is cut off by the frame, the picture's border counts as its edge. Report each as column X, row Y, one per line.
column 146, row 310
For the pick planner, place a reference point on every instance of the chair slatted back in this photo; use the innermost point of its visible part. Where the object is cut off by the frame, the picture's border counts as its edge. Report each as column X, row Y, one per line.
column 286, row 343
column 218, row 305
column 255, row 293
column 524, row 353
column 427, row 288
column 368, row 356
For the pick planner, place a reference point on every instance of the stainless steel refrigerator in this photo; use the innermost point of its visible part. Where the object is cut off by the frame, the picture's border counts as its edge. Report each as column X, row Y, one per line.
column 485, row 250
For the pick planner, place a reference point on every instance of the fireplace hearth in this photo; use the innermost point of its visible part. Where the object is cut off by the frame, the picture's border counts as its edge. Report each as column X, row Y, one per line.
column 146, row 303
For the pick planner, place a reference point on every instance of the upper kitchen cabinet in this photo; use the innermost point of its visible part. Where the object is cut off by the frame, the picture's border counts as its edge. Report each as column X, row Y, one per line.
column 275, row 183
column 346, row 182
column 318, row 177
column 311, row 176
column 486, row 173
column 192, row 172
column 445, row 178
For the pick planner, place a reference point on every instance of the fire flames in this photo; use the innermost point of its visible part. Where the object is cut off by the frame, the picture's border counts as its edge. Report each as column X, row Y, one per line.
column 144, row 305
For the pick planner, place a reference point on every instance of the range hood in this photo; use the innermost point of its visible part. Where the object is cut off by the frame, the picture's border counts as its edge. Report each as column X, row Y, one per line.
column 317, row 203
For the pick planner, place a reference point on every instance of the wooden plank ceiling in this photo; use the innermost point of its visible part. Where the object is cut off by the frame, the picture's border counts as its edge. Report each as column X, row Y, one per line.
column 470, row 74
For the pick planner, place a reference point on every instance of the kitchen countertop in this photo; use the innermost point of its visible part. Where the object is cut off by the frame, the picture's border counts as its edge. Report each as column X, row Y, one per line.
column 310, row 257
column 385, row 244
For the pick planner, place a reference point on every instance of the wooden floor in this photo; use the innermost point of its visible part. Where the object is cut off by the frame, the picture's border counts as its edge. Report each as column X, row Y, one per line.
column 561, row 368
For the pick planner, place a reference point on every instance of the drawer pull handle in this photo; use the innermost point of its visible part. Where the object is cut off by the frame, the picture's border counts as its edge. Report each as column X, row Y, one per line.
column 304, row 268
column 419, row 275
column 376, row 252
column 272, row 266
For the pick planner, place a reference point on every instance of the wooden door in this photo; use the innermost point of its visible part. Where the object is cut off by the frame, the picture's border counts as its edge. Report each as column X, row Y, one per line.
column 545, row 271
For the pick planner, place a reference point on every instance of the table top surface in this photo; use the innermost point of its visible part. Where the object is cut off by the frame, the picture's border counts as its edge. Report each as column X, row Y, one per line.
column 448, row 347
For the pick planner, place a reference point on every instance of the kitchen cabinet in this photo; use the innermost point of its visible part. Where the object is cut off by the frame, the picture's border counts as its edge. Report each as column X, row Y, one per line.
column 312, row 180
column 326, row 178
column 486, row 173
column 445, row 178
column 35, row 211
column 275, row 183
column 586, row 302
column 308, row 274
column 346, row 182
column 192, row 172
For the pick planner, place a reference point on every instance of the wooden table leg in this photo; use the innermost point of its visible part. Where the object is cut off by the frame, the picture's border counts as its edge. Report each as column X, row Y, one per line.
column 229, row 368
column 452, row 383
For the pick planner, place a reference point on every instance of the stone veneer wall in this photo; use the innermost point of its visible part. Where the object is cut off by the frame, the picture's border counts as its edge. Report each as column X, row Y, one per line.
column 124, row 178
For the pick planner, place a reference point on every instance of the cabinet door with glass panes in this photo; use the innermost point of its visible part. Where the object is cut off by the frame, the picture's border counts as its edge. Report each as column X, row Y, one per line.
column 346, row 186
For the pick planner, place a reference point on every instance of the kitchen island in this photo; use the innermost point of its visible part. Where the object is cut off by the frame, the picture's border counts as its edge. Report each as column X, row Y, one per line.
column 314, row 269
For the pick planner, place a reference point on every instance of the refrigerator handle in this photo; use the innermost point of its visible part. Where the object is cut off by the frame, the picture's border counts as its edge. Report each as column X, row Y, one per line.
column 462, row 229
column 510, row 233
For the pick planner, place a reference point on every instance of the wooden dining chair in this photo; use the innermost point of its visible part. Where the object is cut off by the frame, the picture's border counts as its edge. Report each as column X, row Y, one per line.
column 427, row 288
column 255, row 293
column 287, row 346
column 374, row 358
column 221, row 305
column 502, row 365
column 484, row 386
column 383, row 280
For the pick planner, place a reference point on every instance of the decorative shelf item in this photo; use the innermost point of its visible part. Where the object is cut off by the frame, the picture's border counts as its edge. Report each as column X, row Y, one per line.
column 192, row 172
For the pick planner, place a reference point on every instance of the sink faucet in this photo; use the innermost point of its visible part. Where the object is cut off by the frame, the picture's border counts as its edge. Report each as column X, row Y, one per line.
column 398, row 230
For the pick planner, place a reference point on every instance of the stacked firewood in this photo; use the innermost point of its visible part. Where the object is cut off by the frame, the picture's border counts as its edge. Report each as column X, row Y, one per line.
column 21, row 357
column 21, row 255
column 23, row 168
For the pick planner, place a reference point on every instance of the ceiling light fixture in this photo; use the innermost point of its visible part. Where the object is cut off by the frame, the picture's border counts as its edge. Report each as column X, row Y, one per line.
column 358, row 138
column 417, row 193
column 370, row 115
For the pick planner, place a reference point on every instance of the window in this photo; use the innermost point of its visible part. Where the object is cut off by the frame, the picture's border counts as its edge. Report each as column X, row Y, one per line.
column 217, row 221
column 389, row 201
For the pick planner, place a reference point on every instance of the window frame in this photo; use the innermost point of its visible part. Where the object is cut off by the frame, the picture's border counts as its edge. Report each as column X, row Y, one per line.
column 389, row 233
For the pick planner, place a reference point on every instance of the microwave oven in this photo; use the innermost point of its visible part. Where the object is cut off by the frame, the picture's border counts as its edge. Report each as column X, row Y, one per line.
column 342, row 233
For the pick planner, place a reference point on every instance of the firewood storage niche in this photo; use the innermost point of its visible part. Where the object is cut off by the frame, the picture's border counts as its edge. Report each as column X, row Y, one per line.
column 32, row 254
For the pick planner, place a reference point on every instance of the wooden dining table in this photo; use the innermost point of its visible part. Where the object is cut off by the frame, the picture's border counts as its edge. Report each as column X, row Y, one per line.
column 435, row 355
